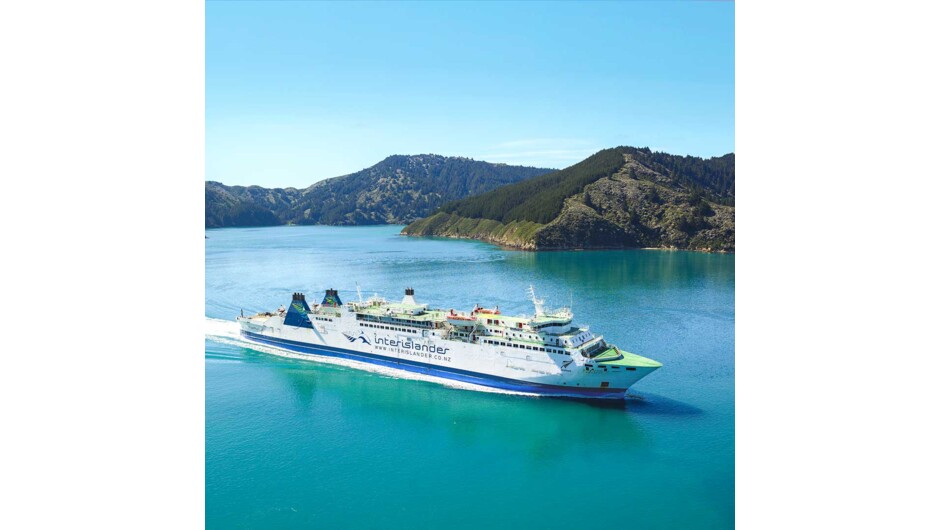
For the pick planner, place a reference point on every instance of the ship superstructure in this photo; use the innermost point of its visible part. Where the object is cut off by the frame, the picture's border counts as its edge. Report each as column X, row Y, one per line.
column 543, row 353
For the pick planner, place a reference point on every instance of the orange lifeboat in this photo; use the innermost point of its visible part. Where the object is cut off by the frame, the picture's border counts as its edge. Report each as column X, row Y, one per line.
column 460, row 320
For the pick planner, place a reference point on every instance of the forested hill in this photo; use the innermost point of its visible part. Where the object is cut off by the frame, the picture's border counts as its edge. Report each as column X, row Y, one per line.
column 397, row 190
column 247, row 206
column 618, row 198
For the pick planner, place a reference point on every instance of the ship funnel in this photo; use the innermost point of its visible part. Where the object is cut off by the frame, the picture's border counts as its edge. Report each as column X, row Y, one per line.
column 409, row 298
column 331, row 299
column 297, row 312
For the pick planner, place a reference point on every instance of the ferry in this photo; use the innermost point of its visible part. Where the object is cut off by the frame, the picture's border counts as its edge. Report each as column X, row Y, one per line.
column 542, row 354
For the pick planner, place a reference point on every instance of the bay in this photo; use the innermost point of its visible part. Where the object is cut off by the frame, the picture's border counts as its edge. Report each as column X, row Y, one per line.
column 294, row 444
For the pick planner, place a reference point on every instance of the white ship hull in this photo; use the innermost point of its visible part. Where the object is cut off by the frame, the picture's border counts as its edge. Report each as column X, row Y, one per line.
column 426, row 352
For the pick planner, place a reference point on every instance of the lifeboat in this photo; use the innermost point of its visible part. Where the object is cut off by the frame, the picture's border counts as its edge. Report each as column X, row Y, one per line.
column 460, row 320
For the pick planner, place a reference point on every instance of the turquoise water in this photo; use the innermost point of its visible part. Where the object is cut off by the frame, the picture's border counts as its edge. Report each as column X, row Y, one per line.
column 293, row 444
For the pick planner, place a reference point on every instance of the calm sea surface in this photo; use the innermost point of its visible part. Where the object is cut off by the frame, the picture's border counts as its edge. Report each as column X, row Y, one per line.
column 294, row 444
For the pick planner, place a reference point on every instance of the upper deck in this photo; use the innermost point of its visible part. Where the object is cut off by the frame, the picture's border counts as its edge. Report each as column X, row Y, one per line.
column 408, row 312
column 550, row 331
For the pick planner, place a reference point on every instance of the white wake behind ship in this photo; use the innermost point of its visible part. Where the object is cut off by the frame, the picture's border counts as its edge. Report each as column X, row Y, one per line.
column 539, row 354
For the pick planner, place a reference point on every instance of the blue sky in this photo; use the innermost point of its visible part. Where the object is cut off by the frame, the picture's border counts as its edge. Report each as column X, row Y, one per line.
column 301, row 91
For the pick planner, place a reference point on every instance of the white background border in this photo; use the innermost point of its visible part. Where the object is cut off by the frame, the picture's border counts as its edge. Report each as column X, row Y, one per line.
column 836, row 270
column 102, row 369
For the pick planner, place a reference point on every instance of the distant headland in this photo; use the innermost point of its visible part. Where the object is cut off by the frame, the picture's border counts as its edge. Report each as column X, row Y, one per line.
column 624, row 197
column 397, row 190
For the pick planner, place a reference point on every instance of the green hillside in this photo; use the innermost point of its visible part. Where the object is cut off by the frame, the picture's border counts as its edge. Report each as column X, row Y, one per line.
column 618, row 198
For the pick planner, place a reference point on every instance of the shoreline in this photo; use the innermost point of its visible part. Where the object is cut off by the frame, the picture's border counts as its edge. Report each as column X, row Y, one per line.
column 503, row 246
column 573, row 249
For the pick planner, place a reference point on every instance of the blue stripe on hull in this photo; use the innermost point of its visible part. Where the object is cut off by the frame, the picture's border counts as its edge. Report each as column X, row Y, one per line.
column 455, row 374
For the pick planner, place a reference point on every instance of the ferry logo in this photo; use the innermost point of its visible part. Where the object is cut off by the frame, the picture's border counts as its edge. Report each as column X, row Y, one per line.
column 363, row 338
column 300, row 309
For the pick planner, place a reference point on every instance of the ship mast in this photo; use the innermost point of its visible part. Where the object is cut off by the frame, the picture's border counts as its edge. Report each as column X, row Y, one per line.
column 537, row 302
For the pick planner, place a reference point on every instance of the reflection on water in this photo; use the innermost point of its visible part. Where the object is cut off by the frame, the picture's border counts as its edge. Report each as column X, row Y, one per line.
column 638, row 268
column 464, row 414
column 656, row 405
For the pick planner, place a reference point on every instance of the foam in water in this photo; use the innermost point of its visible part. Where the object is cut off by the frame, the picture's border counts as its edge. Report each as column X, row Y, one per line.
column 227, row 332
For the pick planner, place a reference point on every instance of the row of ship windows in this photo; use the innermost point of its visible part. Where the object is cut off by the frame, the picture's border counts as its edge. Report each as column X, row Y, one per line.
column 415, row 323
column 530, row 337
column 324, row 319
column 496, row 323
column 524, row 347
column 391, row 328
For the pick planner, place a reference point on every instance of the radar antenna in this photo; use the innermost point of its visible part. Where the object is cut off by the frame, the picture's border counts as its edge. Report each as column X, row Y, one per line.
column 537, row 302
